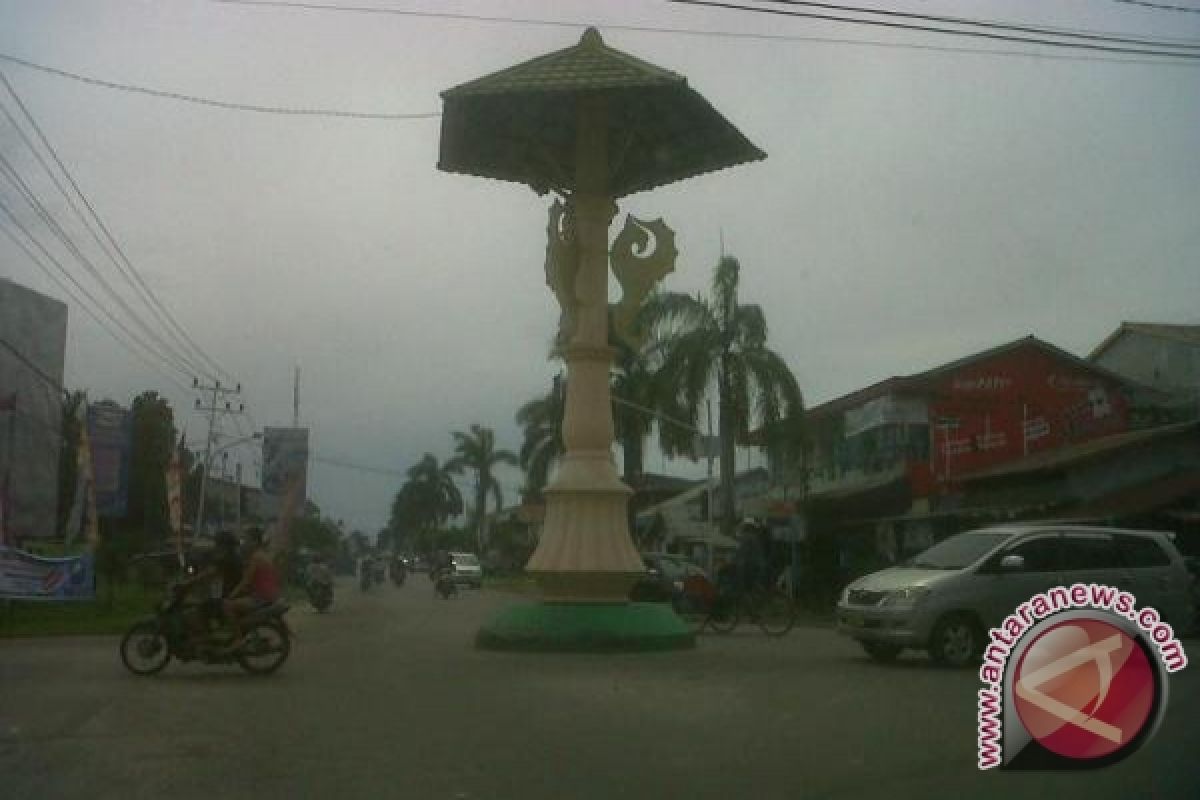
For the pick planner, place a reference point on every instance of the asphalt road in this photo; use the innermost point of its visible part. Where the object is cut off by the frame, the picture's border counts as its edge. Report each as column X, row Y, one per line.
column 385, row 697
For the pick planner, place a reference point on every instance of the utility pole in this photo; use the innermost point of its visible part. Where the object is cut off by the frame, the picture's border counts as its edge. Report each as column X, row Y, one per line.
column 296, row 399
column 217, row 392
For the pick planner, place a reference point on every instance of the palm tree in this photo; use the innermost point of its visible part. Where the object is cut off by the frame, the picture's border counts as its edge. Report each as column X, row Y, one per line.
column 427, row 499
column 713, row 342
column 475, row 450
column 541, row 421
column 634, row 394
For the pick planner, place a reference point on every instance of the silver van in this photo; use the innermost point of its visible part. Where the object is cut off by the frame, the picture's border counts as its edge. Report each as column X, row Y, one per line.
column 945, row 599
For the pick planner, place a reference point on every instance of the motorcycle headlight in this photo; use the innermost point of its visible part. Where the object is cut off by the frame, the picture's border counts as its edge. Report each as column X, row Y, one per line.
column 904, row 598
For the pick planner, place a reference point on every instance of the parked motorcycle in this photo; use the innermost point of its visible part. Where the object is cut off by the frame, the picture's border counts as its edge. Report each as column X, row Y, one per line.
column 179, row 630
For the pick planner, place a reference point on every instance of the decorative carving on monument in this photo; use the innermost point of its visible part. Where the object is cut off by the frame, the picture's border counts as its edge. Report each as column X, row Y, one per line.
column 642, row 255
column 562, row 267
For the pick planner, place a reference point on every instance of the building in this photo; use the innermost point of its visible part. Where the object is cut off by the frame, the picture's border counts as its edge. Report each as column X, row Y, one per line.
column 1165, row 357
column 33, row 338
column 886, row 465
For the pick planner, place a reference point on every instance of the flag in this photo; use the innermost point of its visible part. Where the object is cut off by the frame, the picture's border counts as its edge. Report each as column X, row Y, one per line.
column 175, row 498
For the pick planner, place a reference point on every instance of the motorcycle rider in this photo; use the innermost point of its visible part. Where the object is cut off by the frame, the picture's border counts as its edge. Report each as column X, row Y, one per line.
column 258, row 587
column 318, row 572
column 221, row 574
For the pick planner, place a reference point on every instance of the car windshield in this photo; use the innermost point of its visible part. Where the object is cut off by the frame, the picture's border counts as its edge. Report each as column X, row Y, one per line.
column 466, row 560
column 959, row 551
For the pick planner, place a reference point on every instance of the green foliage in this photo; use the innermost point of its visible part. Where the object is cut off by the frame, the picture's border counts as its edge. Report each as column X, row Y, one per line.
column 153, row 440
column 427, row 499
column 315, row 535
column 68, row 456
column 541, row 424
column 706, row 343
column 475, row 451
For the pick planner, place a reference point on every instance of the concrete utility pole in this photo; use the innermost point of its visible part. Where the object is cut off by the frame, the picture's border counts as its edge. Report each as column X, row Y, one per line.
column 213, row 408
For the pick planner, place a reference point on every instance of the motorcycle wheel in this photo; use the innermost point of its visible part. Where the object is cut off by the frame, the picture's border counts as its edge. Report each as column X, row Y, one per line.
column 321, row 600
column 144, row 649
column 266, row 647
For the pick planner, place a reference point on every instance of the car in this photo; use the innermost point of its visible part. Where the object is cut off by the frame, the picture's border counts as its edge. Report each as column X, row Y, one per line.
column 467, row 570
column 665, row 574
column 944, row 599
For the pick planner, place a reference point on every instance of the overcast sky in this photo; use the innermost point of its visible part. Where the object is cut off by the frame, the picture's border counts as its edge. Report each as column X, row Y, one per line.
column 916, row 205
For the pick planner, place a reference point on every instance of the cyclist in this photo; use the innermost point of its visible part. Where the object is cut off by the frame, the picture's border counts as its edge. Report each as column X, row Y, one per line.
column 750, row 560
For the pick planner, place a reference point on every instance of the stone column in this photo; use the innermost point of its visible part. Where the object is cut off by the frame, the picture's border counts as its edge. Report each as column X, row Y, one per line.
column 585, row 553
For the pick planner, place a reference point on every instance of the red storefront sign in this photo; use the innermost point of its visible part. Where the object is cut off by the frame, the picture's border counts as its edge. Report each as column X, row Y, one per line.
column 1000, row 409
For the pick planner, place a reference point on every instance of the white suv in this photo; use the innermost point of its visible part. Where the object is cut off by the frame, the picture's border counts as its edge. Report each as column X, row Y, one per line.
column 467, row 569
column 946, row 598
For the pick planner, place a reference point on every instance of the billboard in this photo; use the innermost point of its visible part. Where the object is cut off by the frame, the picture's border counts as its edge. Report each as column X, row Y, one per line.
column 284, row 463
column 24, row 576
column 110, row 435
column 33, row 340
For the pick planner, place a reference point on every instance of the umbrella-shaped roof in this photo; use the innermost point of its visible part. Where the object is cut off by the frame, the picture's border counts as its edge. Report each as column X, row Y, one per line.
column 519, row 124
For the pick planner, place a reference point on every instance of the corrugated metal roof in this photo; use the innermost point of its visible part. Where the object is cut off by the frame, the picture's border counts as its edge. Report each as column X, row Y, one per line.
column 1065, row 456
column 1189, row 334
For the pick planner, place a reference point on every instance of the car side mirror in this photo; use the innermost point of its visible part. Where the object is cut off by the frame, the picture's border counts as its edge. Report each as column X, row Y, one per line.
column 1012, row 562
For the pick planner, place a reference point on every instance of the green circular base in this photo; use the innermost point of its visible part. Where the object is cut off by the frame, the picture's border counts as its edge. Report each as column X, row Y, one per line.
column 585, row 628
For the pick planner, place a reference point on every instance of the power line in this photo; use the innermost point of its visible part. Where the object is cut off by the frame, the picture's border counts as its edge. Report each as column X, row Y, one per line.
column 1160, row 6
column 27, row 361
column 879, row 23
column 14, row 178
column 128, row 271
column 995, row 25
column 75, row 299
column 338, row 462
column 735, row 35
column 206, row 101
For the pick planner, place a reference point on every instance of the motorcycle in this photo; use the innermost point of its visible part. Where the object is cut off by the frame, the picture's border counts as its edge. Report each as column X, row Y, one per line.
column 320, row 594
column 444, row 584
column 150, row 643
column 399, row 573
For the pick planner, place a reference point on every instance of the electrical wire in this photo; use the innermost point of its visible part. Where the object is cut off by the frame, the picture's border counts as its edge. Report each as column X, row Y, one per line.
column 127, row 345
column 999, row 37
column 28, row 362
column 206, row 101
column 995, row 25
column 123, row 264
column 735, row 35
column 14, row 178
column 1160, row 6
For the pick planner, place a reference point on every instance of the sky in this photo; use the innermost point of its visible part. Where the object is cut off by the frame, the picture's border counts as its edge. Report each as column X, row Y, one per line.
column 918, row 203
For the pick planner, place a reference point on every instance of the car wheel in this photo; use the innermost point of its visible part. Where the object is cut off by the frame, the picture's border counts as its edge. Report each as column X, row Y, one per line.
column 882, row 652
column 956, row 640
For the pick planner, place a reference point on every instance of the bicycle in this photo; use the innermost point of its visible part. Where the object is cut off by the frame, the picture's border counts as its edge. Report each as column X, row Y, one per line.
column 705, row 605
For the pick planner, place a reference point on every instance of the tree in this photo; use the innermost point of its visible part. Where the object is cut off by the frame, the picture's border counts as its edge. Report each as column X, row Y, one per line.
column 427, row 499
column 153, row 439
column 541, row 422
column 715, row 343
column 68, row 456
column 475, row 451
column 634, row 393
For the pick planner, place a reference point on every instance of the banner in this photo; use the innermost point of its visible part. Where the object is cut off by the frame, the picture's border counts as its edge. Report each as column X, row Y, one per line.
column 24, row 576
column 284, row 467
column 110, row 433
column 175, row 500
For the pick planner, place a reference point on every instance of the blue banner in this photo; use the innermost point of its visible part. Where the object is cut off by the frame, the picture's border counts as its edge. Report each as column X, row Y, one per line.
column 110, row 434
column 24, row 576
